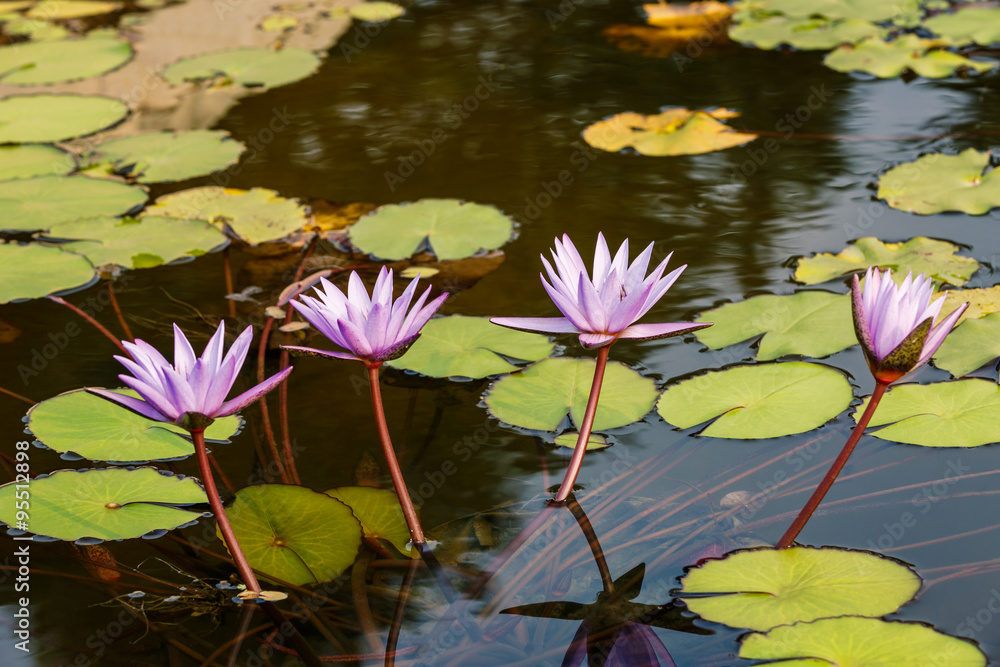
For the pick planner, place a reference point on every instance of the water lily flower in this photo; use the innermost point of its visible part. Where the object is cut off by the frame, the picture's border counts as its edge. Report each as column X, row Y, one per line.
column 192, row 391
column 374, row 329
column 603, row 309
column 895, row 323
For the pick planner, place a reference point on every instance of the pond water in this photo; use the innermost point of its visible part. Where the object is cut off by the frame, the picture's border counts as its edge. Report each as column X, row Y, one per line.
column 511, row 89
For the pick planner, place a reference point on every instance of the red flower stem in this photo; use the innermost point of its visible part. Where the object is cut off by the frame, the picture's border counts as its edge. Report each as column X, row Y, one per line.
column 246, row 572
column 17, row 396
column 218, row 469
column 228, row 270
column 399, row 614
column 97, row 325
column 118, row 312
column 831, row 475
column 595, row 545
column 265, row 415
column 416, row 532
column 588, row 423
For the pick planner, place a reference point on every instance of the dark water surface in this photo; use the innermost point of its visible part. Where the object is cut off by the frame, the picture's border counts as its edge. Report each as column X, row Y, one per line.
column 736, row 218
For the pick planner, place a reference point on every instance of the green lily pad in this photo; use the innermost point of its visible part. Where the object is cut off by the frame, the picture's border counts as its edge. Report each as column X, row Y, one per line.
column 968, row 25
column 541, row 396
column 982, row 302
column 675, row 131
column 60, row 10
column 138, row 243
column 99, row 430
column 293, row 533
column 811, row 323
column 970, row 346
column 761, row 589
column 40, row 202
column 937, row 182
column 165, row 157
column 254, row 67
column 888, row 60
column 764, row 401
column 859, row 642
column 256, row 215
column 36, row 29
column 866, row 10
column 470, row 347
column 770, row 32
column 34, row 160
column 109, row 504
column 55, row 61
column 935, row 259
column 451, row 228
column 961, row 413
column 380, row 515
column 33, row 271
column 48, row 118
column 569, row 440
column 376, row 12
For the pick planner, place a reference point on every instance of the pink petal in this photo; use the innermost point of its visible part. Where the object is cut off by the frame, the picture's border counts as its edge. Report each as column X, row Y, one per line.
column 184, row 356
column 315, row 352
column 664, row 330
column 938, row 334
column 537, row 324
column 252, row 394
column 128, row 402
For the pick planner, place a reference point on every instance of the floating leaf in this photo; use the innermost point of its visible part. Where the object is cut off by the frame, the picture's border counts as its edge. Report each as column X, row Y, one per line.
column 867, row 10
column 165, row 157
column 810, row 323
column 675, row 131
column 888, row 60
column 109, row 504
column 471, row 347
column 541, row 396
column 653, row 42
column 859, row 642
column 55, row 61
column 972, row 345
column 279, row 23
column 376, row 12
column 760, row 589
column 968, row 25
column 593, row 442
column 60, row 10
column 38, row 203
column 935, row 259
column 34, row 160
column 293, row 533
column 770, row 32
column 48, row 118
column 937, row 182
column 33, row 271
column 254, row 215
column 453, row 229
column 246, row 67
column 982, row 302
column 138, row 243
column 36, row 29
column 380, row 515
column 99, row 430
column 687, row 16
column 961, row 413
column 751, row 402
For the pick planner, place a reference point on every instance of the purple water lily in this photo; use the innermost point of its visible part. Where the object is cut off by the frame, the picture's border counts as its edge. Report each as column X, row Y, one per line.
column 895, row 323
column 605, row 308
column 192, row 391
column 373, row 329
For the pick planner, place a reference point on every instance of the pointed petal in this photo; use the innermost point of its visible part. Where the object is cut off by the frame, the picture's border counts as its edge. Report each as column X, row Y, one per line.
column 577, row 648
column 938, row 333
column 602, row 260
column 252, row 394
column 184, row 356
column 356, row 292
column 396, row 350
column 130, row 403
column 905, row 357
column 315, row 352
column 555, row 325
column 861, row 327
column 213, row 351
column 590, row 304
column 152, row 395
column 238, row 352
column 355, row 338
column 664, row 330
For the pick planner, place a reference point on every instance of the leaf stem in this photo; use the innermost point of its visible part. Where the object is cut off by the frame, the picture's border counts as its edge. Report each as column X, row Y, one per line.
column 97, row 325
column 118, row 312
column 416, row 532
column 831, row 475
column 588, row 423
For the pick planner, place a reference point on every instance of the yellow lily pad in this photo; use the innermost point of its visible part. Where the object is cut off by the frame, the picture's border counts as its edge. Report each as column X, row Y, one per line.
column 675, row 131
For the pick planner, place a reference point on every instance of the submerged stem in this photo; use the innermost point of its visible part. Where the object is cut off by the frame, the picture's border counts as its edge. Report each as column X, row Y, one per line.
column 831, row 475
column 588, row 423
column 412, row 522
column 595, row 545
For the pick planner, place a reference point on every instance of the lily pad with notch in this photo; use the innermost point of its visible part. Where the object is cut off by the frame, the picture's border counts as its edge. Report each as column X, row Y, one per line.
column 295, row 534
column 967, row 25
column 450, row 228
column 33, row 271
column 960, row 413
column 252, row 67
column 810, row 323
column 470, row 347
column 887, row 60
column 92, row 427
column 761, row 401
column 674, row 131
column 760, row 589
column 380, row 515
column 937, row 182
column 60, row 60
column 933, row 258
column 970, row 346
column 166, row 157
column 28, row 204
column 544, row 394
column 48, row 118
column 107, row 504
column 821, row 34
